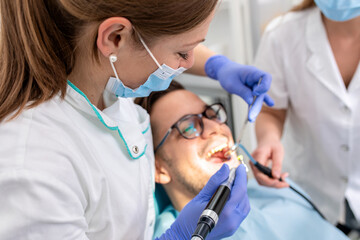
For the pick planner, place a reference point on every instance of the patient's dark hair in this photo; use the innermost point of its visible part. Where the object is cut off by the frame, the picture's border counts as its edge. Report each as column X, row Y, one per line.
column 148, row 102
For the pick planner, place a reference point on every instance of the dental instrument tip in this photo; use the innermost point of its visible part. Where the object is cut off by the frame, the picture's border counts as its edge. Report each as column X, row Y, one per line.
column 229, row 152
column 240, row 158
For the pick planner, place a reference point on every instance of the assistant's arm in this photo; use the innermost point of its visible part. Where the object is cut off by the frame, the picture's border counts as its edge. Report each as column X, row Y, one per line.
column 269, row 127
column 270, row 124
column 271, row 56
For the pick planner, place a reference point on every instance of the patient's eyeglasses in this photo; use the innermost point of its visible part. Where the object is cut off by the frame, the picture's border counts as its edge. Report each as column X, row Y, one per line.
column 192, row 126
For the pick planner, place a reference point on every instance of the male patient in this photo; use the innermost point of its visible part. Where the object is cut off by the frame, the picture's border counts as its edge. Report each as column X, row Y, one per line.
column 190, row 138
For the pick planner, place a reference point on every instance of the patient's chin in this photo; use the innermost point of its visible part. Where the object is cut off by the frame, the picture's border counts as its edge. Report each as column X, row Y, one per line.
column 232, row 164
column 218, row 162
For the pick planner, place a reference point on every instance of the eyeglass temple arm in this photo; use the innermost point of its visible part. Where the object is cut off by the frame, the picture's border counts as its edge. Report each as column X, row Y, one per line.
column 163, row 140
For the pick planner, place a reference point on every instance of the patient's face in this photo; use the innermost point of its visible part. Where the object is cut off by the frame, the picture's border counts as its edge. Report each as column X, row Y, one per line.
column 190, row 162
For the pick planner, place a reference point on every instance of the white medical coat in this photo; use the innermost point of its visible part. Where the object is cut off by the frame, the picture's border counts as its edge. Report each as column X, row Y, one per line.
column 322, row 132
column 70, row 171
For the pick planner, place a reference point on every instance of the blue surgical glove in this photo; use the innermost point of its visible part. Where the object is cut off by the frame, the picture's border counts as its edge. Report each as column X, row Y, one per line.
column 241, row 80
column 234, row 212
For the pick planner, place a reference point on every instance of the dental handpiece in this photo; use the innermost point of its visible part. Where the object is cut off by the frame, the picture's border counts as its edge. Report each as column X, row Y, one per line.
column 242, row 130
column 210, row 216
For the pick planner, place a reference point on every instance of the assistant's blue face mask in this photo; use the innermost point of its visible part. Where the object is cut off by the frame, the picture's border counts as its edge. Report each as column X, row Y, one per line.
column 157, row 81
column 339, row 10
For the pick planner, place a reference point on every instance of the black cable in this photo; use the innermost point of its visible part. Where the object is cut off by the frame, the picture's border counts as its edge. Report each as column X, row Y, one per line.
column 267, row 171
column 308, row 200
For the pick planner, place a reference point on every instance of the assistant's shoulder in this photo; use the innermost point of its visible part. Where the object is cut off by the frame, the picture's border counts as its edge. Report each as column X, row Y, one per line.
column 289, row 23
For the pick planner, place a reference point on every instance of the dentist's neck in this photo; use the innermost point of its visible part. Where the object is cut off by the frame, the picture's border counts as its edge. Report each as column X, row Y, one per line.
column 91, row 78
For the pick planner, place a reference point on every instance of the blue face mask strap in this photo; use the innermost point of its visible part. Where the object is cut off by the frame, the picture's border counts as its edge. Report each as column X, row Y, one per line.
column 113, row 57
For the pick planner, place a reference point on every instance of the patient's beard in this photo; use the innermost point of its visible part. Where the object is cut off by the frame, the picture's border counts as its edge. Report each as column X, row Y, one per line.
column 193, row 180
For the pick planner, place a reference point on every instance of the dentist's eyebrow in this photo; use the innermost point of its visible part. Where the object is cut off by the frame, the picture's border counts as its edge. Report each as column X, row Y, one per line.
column 194, row 43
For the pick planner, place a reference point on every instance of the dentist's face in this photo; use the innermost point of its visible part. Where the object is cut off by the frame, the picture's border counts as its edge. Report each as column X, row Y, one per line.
column 190, row 162
column 135, row 64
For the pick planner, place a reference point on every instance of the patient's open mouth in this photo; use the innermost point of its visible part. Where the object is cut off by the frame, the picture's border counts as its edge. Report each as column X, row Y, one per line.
column 218, row 153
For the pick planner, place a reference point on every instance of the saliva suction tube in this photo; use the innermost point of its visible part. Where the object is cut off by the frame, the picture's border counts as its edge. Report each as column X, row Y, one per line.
column 267, row 171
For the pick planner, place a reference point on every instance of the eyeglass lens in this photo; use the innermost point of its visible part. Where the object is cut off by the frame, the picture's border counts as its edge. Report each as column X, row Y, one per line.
column 216, row 112
column 191, row 127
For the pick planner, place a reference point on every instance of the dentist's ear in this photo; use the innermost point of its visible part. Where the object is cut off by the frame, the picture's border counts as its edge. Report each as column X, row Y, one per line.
column 162, row 175
column 113, row 34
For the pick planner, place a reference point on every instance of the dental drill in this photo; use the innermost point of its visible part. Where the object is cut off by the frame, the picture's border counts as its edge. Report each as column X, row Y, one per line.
column 210, row 216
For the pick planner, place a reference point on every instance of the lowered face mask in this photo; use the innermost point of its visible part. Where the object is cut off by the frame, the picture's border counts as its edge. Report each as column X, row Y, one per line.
column 339, row 10
column 157, row 81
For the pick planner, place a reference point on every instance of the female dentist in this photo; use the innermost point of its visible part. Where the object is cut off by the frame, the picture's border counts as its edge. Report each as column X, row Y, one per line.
column 76, row 155
column 313, row 54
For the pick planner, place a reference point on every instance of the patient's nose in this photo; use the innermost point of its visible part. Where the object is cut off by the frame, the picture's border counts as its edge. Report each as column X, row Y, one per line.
column 211, row 127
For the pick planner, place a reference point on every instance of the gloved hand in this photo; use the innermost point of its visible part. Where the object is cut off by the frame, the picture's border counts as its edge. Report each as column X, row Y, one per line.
column 234, row 212
column 241, row 80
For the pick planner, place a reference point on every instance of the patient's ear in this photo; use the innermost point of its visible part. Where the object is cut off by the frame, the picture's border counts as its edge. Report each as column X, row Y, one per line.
column 162, row 175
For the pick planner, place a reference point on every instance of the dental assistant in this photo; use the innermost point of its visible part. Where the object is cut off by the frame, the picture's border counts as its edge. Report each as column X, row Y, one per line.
column 313, row 54
column 76, row 154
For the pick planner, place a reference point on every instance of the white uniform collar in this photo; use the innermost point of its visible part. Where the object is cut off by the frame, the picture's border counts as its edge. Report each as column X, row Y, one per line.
column 115, row 118
column 321, row 61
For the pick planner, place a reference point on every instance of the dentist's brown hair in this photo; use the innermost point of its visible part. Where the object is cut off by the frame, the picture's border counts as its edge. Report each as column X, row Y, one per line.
column 39, row 39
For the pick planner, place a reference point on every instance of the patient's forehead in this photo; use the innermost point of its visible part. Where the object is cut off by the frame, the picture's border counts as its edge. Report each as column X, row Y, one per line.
column 170, row 108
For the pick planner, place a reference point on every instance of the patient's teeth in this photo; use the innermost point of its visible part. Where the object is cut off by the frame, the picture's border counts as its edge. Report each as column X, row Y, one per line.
column 216, row 149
